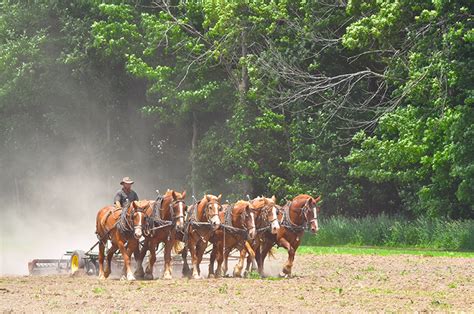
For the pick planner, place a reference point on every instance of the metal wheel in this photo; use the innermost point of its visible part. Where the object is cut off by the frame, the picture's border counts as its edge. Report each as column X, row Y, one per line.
column 92, row 268
column 77, row 261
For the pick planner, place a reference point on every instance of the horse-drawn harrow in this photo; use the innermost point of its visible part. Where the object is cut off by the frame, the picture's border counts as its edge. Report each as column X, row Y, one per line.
column 69, row 263
column 79, row 261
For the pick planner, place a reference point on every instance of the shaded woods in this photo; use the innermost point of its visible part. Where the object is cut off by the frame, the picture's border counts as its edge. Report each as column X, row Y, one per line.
column 367, row 103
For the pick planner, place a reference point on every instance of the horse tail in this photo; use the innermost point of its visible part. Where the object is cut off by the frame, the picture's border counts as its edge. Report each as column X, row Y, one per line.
column 178, row 246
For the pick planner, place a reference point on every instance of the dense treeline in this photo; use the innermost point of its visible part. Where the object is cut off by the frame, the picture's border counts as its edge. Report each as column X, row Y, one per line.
column 368, row 103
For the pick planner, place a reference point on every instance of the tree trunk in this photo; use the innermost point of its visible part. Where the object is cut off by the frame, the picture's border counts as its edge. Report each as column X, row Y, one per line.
column 243, row 90
column 287, row 134
column 193, row 153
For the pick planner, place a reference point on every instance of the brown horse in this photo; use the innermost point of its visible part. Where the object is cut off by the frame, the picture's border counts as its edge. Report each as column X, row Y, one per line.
column 123, row 231
column 300, row 212
column 203, row 220
column 266, row 220
column 164, row 220
column 238, row 226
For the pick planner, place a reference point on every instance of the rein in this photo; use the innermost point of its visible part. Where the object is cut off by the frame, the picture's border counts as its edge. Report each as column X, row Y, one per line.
column 125, row 224
column 288, row 224
column 267, row 224
column 192, row 220
column 227, row 226
column 156, row 221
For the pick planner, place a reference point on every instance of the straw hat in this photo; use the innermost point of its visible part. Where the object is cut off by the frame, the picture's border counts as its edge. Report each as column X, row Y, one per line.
column 126, row 180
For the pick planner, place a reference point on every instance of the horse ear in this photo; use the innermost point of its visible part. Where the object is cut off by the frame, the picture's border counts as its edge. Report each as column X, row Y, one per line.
column 219, row 198
column 174, row 195
column 208, row 198
column 134, row 204
column 274, row 199
column 184, row 194
column 317, row 199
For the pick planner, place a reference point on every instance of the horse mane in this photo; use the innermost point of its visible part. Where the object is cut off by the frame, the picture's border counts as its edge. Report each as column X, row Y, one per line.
column 302, row 196
column 142, row 203
column 306, row 196
column 256, row 201
column 241, row 204
column 211, row 196
column 169, row 193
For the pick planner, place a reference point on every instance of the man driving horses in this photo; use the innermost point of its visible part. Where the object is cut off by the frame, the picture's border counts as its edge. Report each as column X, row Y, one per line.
column 125, row 195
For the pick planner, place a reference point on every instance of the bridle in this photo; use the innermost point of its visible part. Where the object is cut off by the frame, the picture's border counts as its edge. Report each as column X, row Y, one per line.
column 182, row 209
column 305, row 210
column 211, row 204
column 129, row 221
column 243, row 218
column 265, row 212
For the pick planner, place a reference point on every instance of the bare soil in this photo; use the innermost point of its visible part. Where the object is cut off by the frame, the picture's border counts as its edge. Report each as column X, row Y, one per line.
column 321, row 283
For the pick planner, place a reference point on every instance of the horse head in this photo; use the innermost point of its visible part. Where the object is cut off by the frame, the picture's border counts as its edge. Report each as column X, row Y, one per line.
column 212, row 208
column 178, row 209
column 137, row 215
column 267, row 211
column 311, row 210
column 245, row 213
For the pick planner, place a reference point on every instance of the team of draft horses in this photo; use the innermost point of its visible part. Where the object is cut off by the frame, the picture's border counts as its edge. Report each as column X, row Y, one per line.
column 252, row 227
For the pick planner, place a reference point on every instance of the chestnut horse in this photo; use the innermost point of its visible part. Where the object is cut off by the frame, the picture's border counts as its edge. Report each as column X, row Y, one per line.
column 123, row 231
column 163, row 221
column 300, row 212
column 238, row 226
column 202, row 221
column 266, row 220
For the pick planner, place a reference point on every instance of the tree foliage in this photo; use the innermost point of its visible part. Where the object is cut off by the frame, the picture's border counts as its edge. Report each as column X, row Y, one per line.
column 369, row 103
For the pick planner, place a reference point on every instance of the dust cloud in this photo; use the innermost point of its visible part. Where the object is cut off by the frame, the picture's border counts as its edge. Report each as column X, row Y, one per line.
column 54, row 209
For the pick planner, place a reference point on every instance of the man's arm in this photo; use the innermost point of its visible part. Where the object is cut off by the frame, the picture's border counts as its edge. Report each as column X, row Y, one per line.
column 117, row 201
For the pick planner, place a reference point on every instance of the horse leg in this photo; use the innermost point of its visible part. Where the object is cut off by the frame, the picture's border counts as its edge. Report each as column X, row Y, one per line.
column 126, row 258
column 252, row 260
column 240, row 264
column 151, row 260
column 192, row 248
column 286, row 272
column 212, row 259
column 251, row 257
column 139, row 256
column 110, row 254
column 184, row 256
column 131, row 248
column 219, row 259
column 261, row 254
column 201, row 248
column 225, row 263
column 101, row 260
column 167, row 258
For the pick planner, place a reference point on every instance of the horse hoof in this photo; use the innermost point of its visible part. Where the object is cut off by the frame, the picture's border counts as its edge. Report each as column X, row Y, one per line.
column 167, row 276
column 211, row 276
column 148, row 276
column 196, row 277
column 139, row 274
column 130, row 277
column 101, row 277
column 283, row 275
